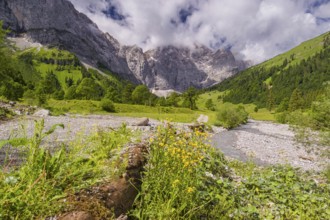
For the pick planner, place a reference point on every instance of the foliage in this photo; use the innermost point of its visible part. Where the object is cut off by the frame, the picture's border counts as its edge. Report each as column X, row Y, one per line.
column 107, row 105
column 281, row 193
column 12, row 83
column 189, row 98
column 296, row 101
column 174, row 183
column 187, row 179
column 40, row 186
column 141, row 95
column 89, row 89
column 232, row 117
column 5, row 113
column 209, row 105
column 311, row 127
column 269, row 83
column 173, row 99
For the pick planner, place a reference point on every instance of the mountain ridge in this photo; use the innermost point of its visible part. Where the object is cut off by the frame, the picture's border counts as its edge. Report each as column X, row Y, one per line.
column 58, row 23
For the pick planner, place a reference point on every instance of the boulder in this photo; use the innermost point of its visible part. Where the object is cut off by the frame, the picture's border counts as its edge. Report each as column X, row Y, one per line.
column 42, row 113
column 143, row 122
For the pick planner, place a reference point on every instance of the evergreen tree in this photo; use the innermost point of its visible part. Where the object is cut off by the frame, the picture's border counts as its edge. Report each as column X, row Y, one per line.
column 190, row 97
column 127, row 93
column 141, row 95
column 50, row 83
column 209, row 105
column 270, row 101
column 173, row 99
column 296, row 100
column 89, row 89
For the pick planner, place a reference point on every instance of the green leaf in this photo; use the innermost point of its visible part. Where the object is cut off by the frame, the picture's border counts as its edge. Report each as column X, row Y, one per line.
column 53, row 128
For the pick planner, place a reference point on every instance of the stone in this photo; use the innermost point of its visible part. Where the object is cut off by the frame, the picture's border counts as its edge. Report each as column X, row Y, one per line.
column 143, row 122
column 203, row 119
column 42, row 113
column 77, row 216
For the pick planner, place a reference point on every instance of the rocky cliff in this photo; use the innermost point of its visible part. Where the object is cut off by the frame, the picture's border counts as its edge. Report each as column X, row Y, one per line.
column 57, row 23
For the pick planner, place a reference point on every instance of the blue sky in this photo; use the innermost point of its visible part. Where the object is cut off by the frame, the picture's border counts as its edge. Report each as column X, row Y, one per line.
column 254, row 30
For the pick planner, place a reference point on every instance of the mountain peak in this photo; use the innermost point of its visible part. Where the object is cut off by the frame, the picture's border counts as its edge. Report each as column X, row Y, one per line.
column 58, row 23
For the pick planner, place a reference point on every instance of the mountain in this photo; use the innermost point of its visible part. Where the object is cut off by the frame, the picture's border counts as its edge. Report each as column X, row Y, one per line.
column 57, row 23
column 303, row 71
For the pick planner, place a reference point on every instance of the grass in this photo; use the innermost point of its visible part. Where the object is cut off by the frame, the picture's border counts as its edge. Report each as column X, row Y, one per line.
column 303, row 51
column 73, row 73
column 93, row 107
column 262, row 114
column 185, row 178
column 38, row 188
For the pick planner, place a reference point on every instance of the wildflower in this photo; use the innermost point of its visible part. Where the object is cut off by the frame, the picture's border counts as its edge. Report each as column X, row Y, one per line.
column 190, row 189
column 175, row 183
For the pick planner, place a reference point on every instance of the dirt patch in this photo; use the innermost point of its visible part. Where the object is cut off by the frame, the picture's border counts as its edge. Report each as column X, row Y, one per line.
column 113, row 199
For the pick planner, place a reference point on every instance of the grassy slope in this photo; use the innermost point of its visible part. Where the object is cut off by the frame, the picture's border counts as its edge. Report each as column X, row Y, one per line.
column 69, row 71
column 293, row 56
column 296, row 55
column 302, row 51
column 66, row 71
column 262, row 114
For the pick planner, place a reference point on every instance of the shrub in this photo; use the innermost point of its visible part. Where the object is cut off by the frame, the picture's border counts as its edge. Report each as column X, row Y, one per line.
column 107, row 105
column 282, row 117
column 209, row 105
column 177, row 183
column 232, row 117
column 5, row 113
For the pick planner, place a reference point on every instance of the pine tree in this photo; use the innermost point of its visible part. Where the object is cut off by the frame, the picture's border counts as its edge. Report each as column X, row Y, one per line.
column 296, row 100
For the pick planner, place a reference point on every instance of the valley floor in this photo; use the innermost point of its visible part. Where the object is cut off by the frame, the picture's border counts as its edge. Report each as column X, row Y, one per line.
column 267, row 143
column 262, row 142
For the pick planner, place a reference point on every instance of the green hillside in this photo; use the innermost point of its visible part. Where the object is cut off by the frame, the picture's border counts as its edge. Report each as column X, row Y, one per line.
column 36, row 75
column 303, row 70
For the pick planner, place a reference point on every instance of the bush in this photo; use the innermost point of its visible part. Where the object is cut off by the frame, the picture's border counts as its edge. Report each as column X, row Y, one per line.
column 107, row 105
column 282, row 117
column 176, row 182
column 209, row 105
column 5, row 113
column 232, row 117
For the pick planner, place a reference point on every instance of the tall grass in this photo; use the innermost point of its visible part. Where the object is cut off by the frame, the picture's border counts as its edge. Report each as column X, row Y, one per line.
column 38, row 188
column 187, row 179
column 178, row 171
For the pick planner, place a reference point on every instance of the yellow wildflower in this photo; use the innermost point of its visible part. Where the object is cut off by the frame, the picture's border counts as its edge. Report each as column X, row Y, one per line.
column 175, row 183
column 190, row 189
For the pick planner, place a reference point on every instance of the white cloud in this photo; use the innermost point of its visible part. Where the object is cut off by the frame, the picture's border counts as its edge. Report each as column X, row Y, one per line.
column 255, row 30
column 323, row 11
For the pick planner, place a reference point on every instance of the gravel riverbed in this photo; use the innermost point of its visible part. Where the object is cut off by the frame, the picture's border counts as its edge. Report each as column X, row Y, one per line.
column 263, row 142
column 268, row 143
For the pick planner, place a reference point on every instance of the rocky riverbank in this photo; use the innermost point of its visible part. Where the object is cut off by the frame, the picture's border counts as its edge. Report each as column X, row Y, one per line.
column 267, row 143
column 264, row 143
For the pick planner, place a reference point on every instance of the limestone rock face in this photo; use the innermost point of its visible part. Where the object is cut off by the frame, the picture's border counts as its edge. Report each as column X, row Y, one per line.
column 178, row 68
column 58, row 23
